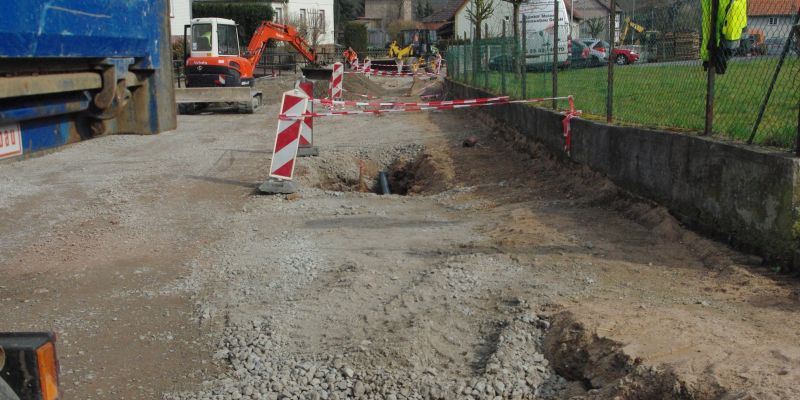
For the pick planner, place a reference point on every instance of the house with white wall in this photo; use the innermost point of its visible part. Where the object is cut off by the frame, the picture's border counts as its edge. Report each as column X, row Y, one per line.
column 309, row 10
column 774, row 18
column 180, row 15
column 293, row 11
column 503, row 11
column 463, row 28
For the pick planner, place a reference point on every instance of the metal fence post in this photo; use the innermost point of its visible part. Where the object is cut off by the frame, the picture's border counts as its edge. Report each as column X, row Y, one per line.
column 765, row 102
column 524, row 56
column 485, row 65
column 502, row 61
column 712, row 68
column 612, row 32
column 454, row 63
column 465, row 77
column 556, row 17
column 797, row 141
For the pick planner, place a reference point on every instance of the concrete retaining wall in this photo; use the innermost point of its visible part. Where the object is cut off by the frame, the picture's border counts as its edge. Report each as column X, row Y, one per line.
column 744, row 195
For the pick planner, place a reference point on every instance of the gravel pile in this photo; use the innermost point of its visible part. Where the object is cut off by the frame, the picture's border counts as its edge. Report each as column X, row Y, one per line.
column 261, row 369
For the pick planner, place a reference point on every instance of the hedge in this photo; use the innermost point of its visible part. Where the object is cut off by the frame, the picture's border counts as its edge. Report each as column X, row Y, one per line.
column 248, row 15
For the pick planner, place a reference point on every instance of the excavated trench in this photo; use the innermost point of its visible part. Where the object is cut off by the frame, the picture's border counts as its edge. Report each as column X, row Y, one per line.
column 409, row 169
column 537, row 356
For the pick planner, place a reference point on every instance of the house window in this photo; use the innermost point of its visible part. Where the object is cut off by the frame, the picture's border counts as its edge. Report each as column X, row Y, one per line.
column 321, row 20
column 302, row 15
column 278, row 15
column 773, row 20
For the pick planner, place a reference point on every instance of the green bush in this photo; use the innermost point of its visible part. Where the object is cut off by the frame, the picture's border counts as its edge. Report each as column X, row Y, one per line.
column 355, row 36
column 248, row 15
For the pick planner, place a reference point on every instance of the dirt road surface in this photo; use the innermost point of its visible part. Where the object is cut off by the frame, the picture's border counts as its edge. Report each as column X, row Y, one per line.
column 502, row 273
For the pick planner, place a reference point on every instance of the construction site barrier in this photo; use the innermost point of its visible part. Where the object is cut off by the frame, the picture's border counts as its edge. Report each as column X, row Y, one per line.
column 287, row 140
column 416, row 104
column 337, row 81
column 418, row 109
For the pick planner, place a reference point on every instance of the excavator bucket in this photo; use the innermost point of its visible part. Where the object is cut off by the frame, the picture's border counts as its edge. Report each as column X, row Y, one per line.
column 317, row 73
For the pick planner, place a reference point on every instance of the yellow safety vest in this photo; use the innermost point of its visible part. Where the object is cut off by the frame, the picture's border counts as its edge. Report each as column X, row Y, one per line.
column 731, row 22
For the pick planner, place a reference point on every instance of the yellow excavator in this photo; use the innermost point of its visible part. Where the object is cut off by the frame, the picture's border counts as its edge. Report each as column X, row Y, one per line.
column 419, row 52
column 400, row 53
column 629, row 24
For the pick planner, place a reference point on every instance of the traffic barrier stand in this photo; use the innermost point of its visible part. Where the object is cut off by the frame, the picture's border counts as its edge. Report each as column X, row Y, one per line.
column 337, row 78
column 287, row 141
column 306, row 147
column 367, row 67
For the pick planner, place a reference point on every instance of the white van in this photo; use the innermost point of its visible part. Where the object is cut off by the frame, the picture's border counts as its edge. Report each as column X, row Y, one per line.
column 539, row 40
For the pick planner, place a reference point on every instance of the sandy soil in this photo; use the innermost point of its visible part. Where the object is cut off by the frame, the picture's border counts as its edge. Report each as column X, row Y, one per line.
column 503, row 273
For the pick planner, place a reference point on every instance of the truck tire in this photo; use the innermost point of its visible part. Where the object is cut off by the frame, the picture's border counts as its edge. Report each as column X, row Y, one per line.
column 186, row 108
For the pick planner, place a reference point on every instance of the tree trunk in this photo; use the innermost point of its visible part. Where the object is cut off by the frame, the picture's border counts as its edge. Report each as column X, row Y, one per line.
column 476, row 51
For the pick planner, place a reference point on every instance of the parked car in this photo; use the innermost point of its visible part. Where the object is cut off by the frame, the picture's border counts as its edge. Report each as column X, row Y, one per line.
column 774, row 46
column 598, row 48
column 583, row 57
column 625, row 56
column 504, row 62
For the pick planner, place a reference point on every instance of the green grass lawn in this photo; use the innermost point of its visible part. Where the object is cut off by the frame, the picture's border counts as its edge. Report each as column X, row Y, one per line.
column 673, row 96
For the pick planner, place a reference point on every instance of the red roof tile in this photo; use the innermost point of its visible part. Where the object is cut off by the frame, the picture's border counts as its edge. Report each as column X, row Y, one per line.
column 772, row 7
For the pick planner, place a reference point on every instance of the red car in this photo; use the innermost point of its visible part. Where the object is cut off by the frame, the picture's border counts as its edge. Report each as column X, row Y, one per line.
column 625, row 56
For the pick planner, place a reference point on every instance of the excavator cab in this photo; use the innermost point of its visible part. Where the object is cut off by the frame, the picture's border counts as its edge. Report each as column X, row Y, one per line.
column 422, row 41
column 214, row 57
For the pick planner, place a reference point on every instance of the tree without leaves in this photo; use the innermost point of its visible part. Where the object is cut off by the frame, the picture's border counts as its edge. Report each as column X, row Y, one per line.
column 515, row 23
column 420, row 10
column 311, row 28
column 515, row 29
column 596, row 26
column 478, row 12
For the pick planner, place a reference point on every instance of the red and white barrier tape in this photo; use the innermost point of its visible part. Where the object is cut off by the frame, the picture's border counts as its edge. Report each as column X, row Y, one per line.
column 416, row 109
column 417, row 104
column 364, row 96
column 391, row 73
column 567, row 124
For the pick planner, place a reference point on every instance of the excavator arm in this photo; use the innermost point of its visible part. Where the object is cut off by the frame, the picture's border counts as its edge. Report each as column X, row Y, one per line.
column 628, row 25
column 284, row 33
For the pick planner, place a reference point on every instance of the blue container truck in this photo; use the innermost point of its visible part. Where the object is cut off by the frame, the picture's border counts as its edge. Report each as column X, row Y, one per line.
column 75, row 69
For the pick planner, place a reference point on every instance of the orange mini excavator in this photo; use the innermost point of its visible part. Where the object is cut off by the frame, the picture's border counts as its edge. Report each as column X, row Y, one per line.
column 218, row 72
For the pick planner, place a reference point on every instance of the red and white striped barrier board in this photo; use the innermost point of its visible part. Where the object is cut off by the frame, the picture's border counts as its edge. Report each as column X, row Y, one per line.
column 367, row 66
column 400, row 104
column 307, row 129
column 284, row 153
column 336, row 81
column 420, row 109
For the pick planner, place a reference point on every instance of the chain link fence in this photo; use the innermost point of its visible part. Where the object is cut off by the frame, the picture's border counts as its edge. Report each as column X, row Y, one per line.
column 657, row 77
